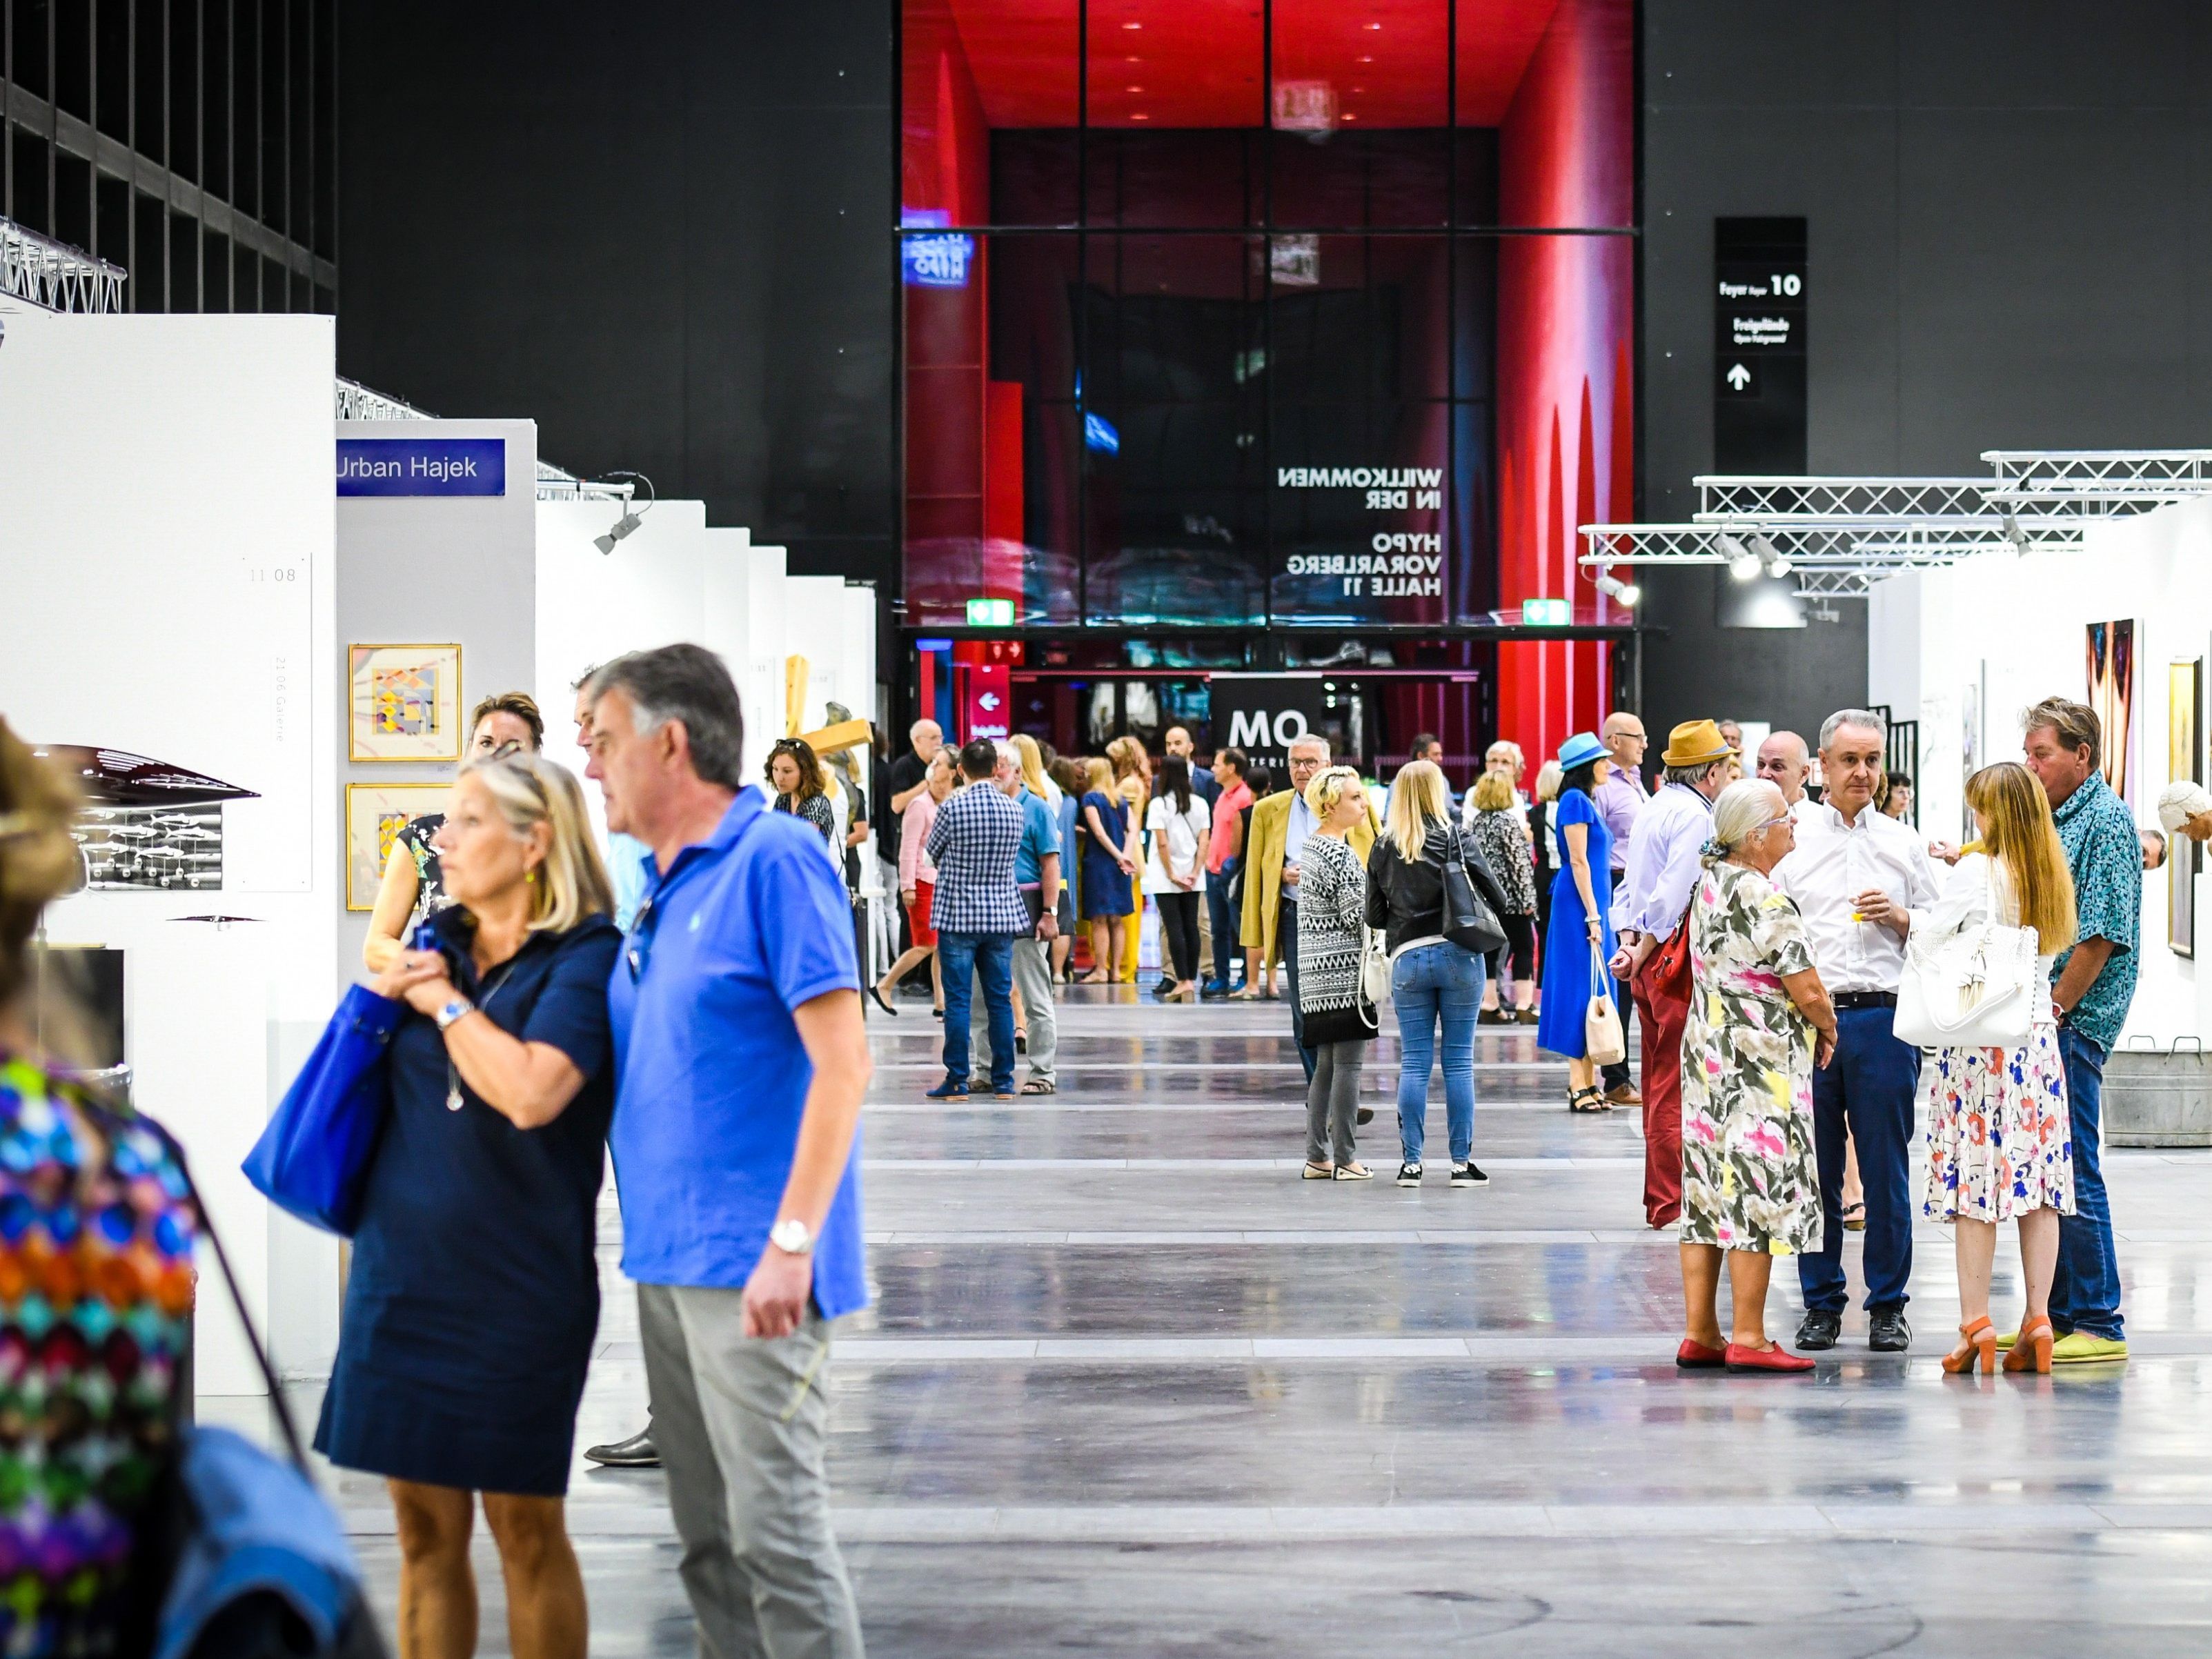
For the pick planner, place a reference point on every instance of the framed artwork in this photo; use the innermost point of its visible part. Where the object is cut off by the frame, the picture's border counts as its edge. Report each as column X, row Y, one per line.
column 1970, row 744
column 375, row 813
column 2111, row 672
column 2184, row 764
column 404, row 703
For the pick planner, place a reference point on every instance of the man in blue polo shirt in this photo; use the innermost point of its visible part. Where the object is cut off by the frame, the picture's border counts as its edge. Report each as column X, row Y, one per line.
column 741, row 1061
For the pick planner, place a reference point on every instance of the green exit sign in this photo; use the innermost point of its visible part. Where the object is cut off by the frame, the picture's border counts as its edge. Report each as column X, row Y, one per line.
column 990, row 613
column 1534, row 613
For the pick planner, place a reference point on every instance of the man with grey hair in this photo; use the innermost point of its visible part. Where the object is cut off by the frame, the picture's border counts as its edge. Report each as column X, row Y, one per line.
column 1856, row 877
column 1784, row 761
column 1037, row 874
column 741, row 1061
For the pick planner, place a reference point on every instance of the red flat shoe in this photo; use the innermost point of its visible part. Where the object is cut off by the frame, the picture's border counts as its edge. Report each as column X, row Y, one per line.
column 1697, row 1357
column 1773, row 1359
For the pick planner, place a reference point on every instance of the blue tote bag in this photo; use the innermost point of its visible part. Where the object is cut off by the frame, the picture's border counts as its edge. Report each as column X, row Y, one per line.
column 312, row 1159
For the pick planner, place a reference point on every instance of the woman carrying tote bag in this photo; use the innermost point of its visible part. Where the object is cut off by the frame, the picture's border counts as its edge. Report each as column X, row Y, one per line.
column 2000, row 1143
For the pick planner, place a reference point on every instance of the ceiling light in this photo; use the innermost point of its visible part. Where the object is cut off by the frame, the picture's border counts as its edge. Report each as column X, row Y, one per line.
column 1132, row 26
column 1742, row 563
column 632, row 515
column 1374, row 26
column 1140, row 115
column 1627, row 592
column 2015, row 534
column 1775, row 562
column 1367, row 60
column 1133, row 88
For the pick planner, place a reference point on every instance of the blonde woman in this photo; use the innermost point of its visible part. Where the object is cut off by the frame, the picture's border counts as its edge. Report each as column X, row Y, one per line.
column 474, row 1296
column 1331, row 900
column 1110, row 860
column 1433, row 982
column 1133, row 782
column 2000, row 1139
column 1500, row 831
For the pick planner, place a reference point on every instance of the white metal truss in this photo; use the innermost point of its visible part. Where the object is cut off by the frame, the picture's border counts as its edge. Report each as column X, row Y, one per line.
column 55, row 277
column 2097, row 483
column 356, row 402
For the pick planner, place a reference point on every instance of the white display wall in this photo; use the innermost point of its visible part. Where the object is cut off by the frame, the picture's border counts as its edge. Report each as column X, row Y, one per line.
column 1970, row 648
column 167, row 526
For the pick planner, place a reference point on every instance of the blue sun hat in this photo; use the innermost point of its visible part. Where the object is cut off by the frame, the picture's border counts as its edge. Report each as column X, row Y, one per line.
column 1581, row 750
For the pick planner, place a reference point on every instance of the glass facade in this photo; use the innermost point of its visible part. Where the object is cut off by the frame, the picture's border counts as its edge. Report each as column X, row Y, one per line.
column 1273, row 312
column 193, row 143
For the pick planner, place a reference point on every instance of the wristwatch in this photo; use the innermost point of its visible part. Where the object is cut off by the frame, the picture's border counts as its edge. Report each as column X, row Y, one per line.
column 457, row 1008
column 792, row 1237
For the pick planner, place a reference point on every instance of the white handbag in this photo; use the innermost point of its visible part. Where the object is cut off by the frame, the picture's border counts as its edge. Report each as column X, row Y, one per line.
column 1375, row 969
column 1972, row 987
column 1603, row 1041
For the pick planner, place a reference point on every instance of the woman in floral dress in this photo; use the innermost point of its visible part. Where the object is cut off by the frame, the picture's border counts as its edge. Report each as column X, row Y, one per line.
column 2000, row 1140
column 1750, row 1185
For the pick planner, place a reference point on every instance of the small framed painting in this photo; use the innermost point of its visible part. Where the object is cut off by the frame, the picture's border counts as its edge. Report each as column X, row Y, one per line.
column 404, row 703
column 375, row 813
column 2184, row 764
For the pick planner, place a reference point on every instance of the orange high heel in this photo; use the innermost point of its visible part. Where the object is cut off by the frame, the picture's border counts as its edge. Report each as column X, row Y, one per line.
column 1980, row 1344
column 2031, row 1349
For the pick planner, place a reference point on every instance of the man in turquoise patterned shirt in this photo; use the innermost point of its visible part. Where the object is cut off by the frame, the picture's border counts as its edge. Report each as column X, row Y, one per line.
column 2095, row 982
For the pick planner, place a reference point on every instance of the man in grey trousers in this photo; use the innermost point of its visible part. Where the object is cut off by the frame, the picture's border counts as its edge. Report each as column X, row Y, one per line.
column 1037, row 874
column 742, row 1061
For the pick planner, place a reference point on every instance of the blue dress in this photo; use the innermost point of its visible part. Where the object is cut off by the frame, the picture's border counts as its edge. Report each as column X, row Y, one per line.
column 1566, row 943
column 1106, row 891
column 474, row 1297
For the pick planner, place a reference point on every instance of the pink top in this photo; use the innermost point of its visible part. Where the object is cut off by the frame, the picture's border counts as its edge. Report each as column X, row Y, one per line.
column 914, row 841
column 1226, row 809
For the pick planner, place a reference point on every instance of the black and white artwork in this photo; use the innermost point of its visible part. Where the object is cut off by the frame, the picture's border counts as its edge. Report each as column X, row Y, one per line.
column 147, row 825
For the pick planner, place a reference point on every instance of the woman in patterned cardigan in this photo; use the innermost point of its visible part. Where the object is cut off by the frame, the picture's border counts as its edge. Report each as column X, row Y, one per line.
column 1332, row 906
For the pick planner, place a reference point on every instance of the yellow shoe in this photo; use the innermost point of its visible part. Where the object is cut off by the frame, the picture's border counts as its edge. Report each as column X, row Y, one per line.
column 2079, row 1348
column 2005, row 1340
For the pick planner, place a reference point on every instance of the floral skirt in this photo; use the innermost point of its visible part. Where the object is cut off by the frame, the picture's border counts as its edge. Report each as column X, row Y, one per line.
column 2000, row 1136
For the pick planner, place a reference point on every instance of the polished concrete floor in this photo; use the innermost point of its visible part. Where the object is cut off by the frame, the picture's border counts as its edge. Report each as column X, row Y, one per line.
column 1131, row 1386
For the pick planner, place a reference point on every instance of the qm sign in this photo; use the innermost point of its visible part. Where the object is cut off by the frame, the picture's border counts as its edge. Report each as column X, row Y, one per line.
column 1263, row 715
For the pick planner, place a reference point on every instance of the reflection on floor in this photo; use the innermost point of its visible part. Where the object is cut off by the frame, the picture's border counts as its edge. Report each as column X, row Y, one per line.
column 1131, row 1386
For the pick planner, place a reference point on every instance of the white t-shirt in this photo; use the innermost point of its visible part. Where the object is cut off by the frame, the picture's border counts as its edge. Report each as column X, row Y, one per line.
column 1179, row 833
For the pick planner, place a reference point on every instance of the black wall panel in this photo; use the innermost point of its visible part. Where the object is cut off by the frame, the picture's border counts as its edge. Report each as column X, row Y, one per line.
column 662, row 233
column 2010, row 215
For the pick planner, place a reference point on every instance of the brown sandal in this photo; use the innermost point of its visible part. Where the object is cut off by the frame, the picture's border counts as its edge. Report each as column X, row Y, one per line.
column 1587, row 1100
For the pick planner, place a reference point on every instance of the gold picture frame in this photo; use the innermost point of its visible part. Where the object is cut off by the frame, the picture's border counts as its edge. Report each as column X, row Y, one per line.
column 404, row 703
column 375, row 814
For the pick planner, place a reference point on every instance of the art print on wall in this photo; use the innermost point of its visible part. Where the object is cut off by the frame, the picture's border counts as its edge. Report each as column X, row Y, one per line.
column 375, row 813
column 404, row 703
column 2112, row 671
column 2184, row 764
column 1970, row 745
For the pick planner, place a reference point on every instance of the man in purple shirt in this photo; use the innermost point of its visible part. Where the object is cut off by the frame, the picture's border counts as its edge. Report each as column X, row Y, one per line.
column 1618, row 799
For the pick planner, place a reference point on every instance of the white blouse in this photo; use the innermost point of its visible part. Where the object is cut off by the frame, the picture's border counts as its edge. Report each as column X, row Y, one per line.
column 1179, row 833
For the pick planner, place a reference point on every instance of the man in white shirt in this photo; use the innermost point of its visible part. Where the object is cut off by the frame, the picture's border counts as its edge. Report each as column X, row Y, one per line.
column 1648, row 906
column 1857, row 876
column 1784, row 763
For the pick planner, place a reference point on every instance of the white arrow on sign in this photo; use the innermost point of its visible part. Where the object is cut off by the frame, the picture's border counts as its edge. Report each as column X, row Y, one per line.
column 988, row 702
column 1739, row 377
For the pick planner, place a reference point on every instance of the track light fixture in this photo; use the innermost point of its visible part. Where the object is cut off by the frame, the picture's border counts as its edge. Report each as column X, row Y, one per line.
column 1742, row 563
column 2015, row 534
column 1771, row 559
column 632, row 515
column 1625, row 594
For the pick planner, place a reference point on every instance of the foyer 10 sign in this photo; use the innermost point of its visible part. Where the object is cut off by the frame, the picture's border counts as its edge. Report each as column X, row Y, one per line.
column 1360, row 544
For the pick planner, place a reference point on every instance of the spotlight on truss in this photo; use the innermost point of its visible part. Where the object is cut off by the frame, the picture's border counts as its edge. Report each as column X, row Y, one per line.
column 632, row 515
column 1627, row 593
column 1771, row 559
column 1742, row 563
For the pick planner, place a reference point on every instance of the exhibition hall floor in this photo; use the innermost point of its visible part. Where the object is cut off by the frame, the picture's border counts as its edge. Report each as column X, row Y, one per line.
column 1132, row 1387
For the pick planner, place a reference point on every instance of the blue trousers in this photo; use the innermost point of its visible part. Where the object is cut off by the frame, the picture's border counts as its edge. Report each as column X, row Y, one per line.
column 2085, row 1293
column 1434, row 984
column 963, row 957
column 1868, row 1086
column 1224, row 922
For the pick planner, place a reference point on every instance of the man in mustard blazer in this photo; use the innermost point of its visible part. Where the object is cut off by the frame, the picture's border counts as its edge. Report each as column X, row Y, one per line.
column 1283, row 820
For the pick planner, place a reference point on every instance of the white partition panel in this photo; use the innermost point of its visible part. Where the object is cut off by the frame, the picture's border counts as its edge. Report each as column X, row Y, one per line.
column 167, row 511
column 763, row 693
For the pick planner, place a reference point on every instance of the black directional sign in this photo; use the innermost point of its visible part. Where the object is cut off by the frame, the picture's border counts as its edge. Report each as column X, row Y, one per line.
column 1759, row 345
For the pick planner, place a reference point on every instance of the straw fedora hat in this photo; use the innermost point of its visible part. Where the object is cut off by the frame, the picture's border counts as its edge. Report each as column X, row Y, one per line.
column 1694, row 743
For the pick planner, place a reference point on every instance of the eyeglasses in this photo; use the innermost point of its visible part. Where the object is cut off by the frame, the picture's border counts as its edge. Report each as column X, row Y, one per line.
column 639, row 951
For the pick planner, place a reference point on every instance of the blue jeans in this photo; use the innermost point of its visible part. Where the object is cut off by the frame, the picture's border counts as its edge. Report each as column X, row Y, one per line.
column 1224, row 922
column 1868, row 1086
column 1428, row 983
column 962, row 957
column 2085, row 1293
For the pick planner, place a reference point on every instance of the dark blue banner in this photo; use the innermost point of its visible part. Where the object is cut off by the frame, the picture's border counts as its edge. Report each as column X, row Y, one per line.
column 421, row 466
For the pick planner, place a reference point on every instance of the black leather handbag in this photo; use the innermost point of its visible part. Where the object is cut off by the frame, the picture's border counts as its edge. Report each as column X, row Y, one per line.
column 1469, row 921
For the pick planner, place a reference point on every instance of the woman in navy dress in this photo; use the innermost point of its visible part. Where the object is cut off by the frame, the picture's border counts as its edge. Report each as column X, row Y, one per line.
column 474, row 1296
column 1581, row 906
column 1110, row 860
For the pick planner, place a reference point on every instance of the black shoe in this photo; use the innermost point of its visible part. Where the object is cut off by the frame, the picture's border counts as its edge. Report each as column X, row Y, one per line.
column 876, row 993
column 1820, row 1330
column 1887, row 1332
column 1409, row 1175
column 638, row 1452
column 1365, row 1116
column 1467, row 1175
column 1491, row 1017
column 1214, row 990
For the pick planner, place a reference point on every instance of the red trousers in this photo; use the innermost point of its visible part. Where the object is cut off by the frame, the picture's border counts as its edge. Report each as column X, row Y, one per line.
column 1661, row 1019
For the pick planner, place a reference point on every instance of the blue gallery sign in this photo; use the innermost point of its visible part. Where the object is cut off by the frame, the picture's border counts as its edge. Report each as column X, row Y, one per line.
column 421, row 466
column 938, row 261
